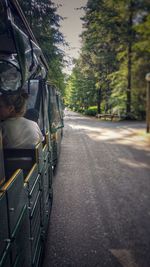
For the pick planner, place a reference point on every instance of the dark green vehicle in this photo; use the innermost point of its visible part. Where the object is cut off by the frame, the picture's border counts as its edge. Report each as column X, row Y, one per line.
column 56, row 122
column 25, row 174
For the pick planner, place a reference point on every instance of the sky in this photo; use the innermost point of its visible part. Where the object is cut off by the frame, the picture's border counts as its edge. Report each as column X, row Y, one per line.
column 71, row 27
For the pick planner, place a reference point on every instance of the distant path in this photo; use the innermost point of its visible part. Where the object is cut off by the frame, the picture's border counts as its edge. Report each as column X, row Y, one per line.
column 101, row 209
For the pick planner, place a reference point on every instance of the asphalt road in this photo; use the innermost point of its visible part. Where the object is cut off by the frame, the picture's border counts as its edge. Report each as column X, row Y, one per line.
column 101, row 208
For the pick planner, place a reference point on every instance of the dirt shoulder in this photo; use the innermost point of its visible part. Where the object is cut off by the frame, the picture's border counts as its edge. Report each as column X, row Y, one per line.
column 140, row 137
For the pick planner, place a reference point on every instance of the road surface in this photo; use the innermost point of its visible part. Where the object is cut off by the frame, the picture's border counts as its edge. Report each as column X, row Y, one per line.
column 101, row 208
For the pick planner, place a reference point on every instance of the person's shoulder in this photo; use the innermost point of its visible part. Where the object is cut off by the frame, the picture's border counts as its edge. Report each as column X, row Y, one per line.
column 6, row 125
column 6, row 122
column 29, row 122
column 25, row 119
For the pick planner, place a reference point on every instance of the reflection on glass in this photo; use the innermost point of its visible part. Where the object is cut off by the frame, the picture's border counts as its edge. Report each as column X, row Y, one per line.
column 33, row 65
column 22, row 64
column 10, row 77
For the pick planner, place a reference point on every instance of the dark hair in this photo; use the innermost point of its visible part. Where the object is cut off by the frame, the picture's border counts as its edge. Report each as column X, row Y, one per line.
column 32, row 114
column 17, row 100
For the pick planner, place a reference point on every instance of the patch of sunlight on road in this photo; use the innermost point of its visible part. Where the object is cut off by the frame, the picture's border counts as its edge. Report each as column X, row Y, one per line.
column 134, row 164
column 81, row 127
column 99, row 134
column 104, row 135
column 121, row 136
column 125, row 257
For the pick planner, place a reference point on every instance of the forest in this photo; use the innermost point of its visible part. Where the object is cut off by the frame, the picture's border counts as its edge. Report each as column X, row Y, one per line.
column 109, row 75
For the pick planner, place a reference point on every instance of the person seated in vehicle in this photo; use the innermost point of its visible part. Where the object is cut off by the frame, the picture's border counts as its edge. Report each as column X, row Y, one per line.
column 17, row 131
column 32, row 114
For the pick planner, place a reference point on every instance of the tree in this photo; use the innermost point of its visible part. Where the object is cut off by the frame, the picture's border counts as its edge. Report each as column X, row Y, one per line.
column 115, row 53
column 44, row 21
column 130, row 13
column 98, row 50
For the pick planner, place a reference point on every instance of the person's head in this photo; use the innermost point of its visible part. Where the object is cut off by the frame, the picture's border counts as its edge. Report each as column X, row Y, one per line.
column 32, row 114
column 13, row 105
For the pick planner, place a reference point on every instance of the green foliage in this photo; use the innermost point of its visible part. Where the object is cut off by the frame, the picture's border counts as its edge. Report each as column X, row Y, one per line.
column 80, row 88
column 91, row 111
column 114, row 59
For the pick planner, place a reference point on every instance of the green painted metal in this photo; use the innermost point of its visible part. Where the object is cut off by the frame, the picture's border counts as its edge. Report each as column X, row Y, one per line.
column 26, row 180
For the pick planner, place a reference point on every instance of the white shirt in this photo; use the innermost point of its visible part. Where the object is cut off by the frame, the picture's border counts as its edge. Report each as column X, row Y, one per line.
column 20, row 132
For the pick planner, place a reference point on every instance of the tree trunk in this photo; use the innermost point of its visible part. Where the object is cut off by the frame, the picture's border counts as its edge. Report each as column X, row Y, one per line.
column 129, row 80
column 99, row 101
column 107, row 96
column 130, row 23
